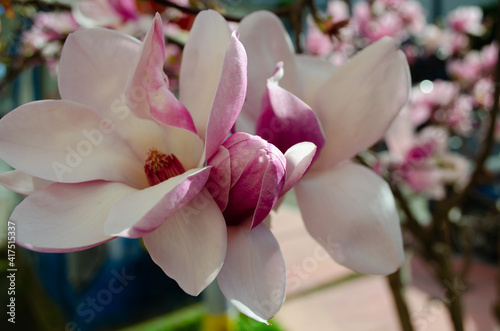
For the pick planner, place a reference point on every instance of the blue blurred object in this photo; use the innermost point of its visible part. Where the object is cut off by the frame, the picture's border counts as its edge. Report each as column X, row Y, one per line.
column 111, row 285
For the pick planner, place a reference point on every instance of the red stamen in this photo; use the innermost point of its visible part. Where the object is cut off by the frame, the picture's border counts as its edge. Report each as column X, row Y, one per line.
column 160, row 167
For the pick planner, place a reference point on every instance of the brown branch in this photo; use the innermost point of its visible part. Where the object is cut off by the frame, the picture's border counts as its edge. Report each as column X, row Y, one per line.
column 193, row 11
column 397, row 289
column 41, row 4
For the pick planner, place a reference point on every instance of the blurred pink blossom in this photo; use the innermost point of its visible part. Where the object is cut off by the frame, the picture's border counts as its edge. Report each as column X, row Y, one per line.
column 423, row 104
column 48, row 27
column 395, row 18
column 483, row 92
column 422, row 160
column 466, row 19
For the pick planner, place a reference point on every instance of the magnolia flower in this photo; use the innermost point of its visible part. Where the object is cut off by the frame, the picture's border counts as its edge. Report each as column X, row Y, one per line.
column 47, row 33
column 466, row 19
column 483, row 93
column 372, row 28
column 346, row 207
column 444, row 43
column 423, row 103
column 423, row 161
column 397, row 19
column 119, row 155
column 319, row 43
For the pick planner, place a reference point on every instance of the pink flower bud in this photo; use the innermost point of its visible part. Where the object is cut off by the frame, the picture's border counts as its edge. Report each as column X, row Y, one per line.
column 247, row 178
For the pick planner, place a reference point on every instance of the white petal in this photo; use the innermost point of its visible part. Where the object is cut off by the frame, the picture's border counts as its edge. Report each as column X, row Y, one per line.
column 360, row 100
column 145, row 210
column 266, row 43
column 191, row 245
column 66, row 217
column 64, row 141
column 22, row 183
column 201, row 67
column 313, row 72
column 253, row 277
column 298, row 159
column 351, row 212
column 94, row 67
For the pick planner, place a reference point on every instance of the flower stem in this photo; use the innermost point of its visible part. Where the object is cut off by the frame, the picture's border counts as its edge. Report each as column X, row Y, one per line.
column 397, row 290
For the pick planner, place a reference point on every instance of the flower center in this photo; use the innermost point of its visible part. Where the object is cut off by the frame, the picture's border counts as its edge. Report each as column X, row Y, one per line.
column 160, row 167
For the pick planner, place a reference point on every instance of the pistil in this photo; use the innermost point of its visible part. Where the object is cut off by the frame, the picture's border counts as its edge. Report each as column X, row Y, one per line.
column 159, row 167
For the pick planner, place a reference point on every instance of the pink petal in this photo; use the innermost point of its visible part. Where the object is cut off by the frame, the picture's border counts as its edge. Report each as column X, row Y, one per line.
column 147, row 76
column 253, row 196
column 360, row 100
column 257, row 176
column 253, row 277
column 126, row 8
column 229, row 97
column 145, row 210
column 66, row 217
column 351, row 212
column 266, row 43
column 203, row 61
column 285, row 119
column 191, row 245
column 219, row 181
column 94, row 68
column 298, row 159
column 67, row 142
column 22, row 183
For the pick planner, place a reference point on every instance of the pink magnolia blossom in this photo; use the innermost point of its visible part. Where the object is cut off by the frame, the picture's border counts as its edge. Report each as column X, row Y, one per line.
column 489, row 57
column 337, row 49
column 459, row 116
column 423, row 160
column 114, row 14
column 467, row 70
column 413, row 16
column 443, row 42
column 423, row 105
column 372, row 28
column 483, row 92
column 466, row 19
column 346, row 207
column 119, row 155
column 394, row 18
column 47, row 34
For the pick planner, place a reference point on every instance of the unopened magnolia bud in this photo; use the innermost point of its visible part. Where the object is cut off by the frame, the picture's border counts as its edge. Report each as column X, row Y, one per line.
column 258, row 173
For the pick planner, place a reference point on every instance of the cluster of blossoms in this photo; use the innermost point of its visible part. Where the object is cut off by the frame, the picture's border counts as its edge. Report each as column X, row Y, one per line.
column 120, row 155
column 49, row 29
column 449, row 100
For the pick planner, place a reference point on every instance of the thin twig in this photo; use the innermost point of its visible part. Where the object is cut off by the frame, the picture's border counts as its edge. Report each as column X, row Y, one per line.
column 397, row 289
column 42, row 4
column 193, row 11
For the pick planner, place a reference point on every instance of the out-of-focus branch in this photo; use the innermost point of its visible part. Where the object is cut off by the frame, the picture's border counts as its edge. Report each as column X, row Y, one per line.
column 193, row 11
column 41, row 4
column 17, row 67
column 397, row 289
